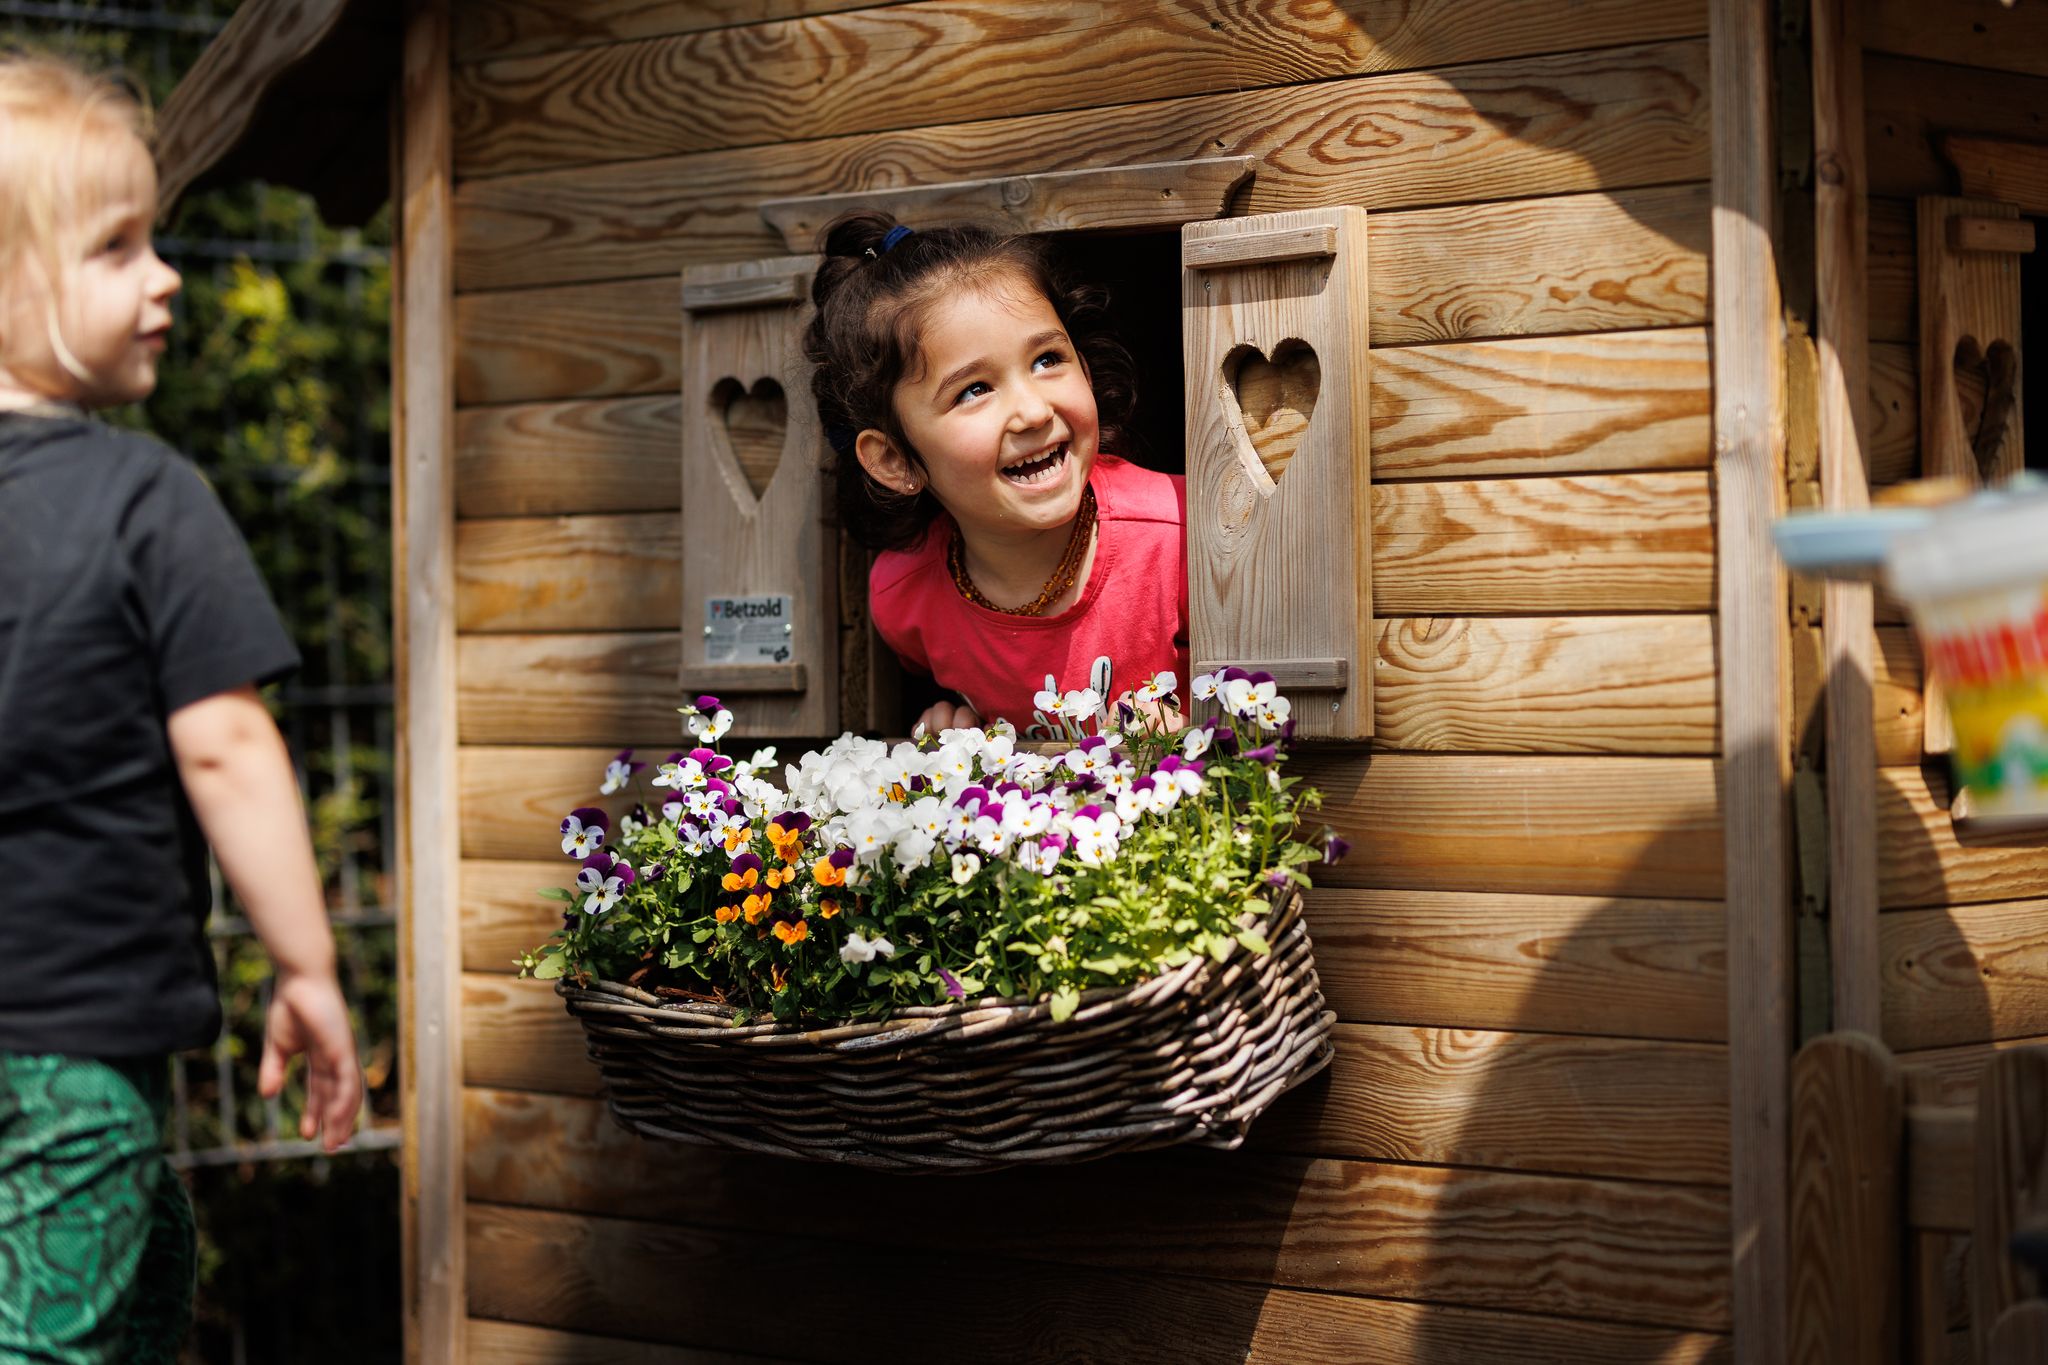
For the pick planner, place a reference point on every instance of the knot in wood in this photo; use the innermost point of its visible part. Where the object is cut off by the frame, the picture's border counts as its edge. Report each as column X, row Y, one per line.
column 1016, row 191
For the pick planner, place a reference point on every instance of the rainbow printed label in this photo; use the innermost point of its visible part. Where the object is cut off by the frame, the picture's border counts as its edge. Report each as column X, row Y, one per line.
column 1990, row 652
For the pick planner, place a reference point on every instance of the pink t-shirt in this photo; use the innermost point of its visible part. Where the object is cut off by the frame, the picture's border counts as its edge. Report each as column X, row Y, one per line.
column 1131, row 621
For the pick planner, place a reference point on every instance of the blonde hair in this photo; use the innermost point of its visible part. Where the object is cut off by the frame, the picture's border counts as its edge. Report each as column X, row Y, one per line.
column 63, row 132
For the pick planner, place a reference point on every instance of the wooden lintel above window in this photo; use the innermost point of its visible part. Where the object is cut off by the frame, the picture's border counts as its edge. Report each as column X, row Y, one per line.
column 1159, row 194
column 1999, row 168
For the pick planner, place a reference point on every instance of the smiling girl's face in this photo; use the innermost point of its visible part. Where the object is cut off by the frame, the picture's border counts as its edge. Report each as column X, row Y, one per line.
column 999, row 407
column 112, row 307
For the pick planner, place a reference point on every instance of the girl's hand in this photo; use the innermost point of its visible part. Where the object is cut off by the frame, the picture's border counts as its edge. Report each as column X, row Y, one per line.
column 307, row 1014
column 944, row 715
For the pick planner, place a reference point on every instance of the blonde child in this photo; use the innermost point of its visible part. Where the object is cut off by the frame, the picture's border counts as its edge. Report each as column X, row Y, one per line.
column 133, row 633
column 970, row 392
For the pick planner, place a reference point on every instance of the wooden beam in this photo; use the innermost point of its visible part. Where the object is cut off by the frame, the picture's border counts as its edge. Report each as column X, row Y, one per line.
column 1749, row 439
column 512, row 1343
column 1964, row 974
column 1941, row 1167
column 423, row 607
column 2008, row 236
column 2012, row 1185
column 2000, row 168
column 1841, row 231
column 509, row 28
column 2004, row 36
column 1912, row 102
column 1848, row 1101
column 210, row 110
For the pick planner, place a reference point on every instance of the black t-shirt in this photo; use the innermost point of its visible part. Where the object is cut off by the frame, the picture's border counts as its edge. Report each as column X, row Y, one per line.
column 125, row 594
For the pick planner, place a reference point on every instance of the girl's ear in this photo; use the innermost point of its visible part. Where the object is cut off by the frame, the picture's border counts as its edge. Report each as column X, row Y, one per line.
column 885, row 464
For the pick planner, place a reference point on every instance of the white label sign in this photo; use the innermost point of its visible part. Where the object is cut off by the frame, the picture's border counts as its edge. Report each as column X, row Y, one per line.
column 749, row 630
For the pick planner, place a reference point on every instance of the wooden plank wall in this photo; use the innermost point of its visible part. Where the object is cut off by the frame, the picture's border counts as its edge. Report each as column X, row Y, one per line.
column 1522, row 1150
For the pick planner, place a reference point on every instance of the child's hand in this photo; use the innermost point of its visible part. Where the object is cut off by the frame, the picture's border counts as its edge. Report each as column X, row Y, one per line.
column 307, row 1014
column 944, row 715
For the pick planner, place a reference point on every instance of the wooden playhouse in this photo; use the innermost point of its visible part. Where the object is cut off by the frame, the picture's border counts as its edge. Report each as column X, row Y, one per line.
column 1619, row 280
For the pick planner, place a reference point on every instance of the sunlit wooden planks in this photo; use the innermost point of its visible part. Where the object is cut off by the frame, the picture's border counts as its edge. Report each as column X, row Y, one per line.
column 569, row 573
column 1619, row 542
column 1574, row 263
column 913, row 65
column 1542, row 405
column 1596, row 543
column 1922, row 863
column 1563, row 964
column 1571, row 826
column 1454, row 822
column 1964, row 974
column 1570, row 684
column 614, row 1275
column 604, row 455
column 1573, row 684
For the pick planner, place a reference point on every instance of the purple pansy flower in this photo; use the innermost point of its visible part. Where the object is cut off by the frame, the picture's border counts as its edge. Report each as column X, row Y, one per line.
column 953, row 986
column 619, row 772
column 583, row 831
column 1335, row 846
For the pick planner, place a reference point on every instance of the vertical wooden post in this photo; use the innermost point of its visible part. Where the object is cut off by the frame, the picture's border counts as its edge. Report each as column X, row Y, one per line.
column 1848, row 1121
column 2012, row 1184
column 1749, row 433
column 1841, row 227
column 423, row 610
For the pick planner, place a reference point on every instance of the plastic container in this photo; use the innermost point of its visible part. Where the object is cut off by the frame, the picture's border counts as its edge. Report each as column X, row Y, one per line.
column 1975, row 577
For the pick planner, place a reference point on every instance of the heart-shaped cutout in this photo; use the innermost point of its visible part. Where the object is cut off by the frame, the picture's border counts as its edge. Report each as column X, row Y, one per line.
column 1275, row 399
column 1987, row 386
column 753, row 423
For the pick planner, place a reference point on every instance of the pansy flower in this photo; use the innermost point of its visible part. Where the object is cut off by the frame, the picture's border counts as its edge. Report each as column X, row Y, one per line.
column 827, row 908
column 755, row 906
column 1204, row 687
column 858, row 949
column 619, row 772
column 952, row 984
column 745, row 873
column 726, row 914
column 1158, row 687
column 1335, row 846
column 965, row 865
column 792, row 932
column 583, row 831
column 603, row 885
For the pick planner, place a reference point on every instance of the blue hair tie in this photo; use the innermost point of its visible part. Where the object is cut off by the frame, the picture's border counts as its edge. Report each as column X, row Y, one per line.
column 895, row 235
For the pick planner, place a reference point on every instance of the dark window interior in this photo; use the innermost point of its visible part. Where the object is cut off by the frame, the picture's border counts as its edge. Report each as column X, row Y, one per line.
column 1141, row 270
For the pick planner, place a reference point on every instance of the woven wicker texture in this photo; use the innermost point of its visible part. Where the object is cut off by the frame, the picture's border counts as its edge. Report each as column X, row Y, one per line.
column 1191, row 1056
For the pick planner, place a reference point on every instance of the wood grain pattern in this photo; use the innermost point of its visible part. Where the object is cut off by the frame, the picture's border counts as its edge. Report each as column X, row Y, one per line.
column 585, row 341
column 1922, row 863
column 1513, row 1101
column 1601, row 543
column 620, row 1276
column 609, row 455
column 1940, row 1167
column 1562, row 964
column 569, row 573
column 1841, row 232
column 1598, row 403
column 2012, row 1188
column 914, row 65
column 1576, row 684
column 1967, row 299
column 1913, row 102
column 1280, row 540
column 1949, row 1076
column 1892, row 418
column 570, row 689
column 1991, row 36
column 1577, row 263
column 1485, row 1239
column 1749, row 480
column 1572, row 684
column 503, row 28
column 1848, row 1103
column 1570, row 826
column 1893, row 271
column 1615, row 401
column 1532, row 964
column 2020, row 1336
column 1964, row 974
column 512, row 1343
column 434, row 1254
column 1999, row 168
column 1620, row 542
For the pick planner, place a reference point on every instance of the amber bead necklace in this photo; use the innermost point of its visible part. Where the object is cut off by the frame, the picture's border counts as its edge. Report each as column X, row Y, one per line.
column 1055, row 587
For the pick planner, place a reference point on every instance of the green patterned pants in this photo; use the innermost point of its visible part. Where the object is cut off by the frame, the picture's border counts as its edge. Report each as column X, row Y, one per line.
column 96, row 1242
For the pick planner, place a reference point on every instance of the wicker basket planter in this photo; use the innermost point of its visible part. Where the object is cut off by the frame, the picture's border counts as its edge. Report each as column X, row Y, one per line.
column 1190, row 1056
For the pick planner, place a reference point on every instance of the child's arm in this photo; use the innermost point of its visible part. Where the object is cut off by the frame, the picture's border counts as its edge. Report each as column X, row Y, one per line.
column 239, row 779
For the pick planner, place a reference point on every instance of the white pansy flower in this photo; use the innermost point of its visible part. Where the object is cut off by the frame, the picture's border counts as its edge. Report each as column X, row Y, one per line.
column 858, row 949
column 965, row 865
column 1204, row 686
column 1159, row 686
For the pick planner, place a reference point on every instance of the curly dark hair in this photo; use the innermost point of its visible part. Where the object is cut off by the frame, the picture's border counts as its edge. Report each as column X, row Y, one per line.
column 871, row 301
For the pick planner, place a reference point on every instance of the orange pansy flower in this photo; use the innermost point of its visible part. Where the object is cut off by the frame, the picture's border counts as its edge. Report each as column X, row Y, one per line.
column 740, row 881
column 792, row 933
column 756, row 906
column 726, row 914
column 824, row 873
column 828, row 907
column 777, row 977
